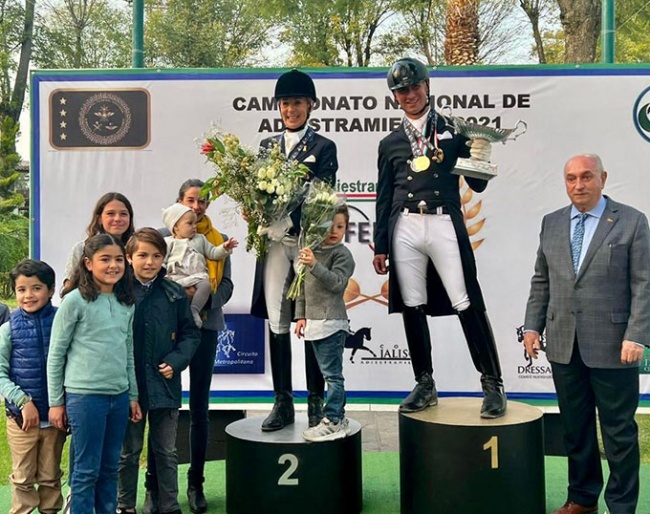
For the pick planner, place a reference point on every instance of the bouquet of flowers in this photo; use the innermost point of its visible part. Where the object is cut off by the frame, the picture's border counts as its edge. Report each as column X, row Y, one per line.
column 266, row 185
column 315, row 222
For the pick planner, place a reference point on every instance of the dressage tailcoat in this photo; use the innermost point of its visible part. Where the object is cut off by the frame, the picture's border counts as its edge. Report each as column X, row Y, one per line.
column 319, row 155
column 608, row 301
column 400, row 187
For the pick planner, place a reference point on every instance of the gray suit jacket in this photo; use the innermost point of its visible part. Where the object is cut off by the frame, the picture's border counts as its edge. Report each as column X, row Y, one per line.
column 609, row 299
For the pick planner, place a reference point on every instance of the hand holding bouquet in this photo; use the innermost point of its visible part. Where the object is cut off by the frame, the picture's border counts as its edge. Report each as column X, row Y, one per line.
column 316, row 220
column 266, row 185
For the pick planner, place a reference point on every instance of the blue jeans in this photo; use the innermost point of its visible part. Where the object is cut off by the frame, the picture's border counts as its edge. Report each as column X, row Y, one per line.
column 98, row 423
column 329, row 354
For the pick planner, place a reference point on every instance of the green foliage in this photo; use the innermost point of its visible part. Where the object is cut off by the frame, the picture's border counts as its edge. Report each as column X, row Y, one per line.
column 9, row 159
column 632, row 31
column 14, row 240
column 83, row 34
column 334, row 33
column 205, row 33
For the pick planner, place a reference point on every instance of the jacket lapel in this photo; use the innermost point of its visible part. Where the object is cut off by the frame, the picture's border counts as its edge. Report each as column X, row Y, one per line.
column 564, row 238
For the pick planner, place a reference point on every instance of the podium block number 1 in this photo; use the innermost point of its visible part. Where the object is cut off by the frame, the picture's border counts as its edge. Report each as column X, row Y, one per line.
column 493, row 446
column 286, row 478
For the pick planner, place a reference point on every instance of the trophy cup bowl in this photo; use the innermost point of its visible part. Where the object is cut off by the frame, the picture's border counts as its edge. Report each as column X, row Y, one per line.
column 475, row 168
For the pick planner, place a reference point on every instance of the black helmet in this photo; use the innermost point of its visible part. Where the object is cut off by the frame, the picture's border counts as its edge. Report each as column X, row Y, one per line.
column 406, row 72
column 295, row 83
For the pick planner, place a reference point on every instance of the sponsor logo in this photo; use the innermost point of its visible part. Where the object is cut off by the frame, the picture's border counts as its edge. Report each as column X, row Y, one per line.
column 85, row 119
column 240, row 345
column 530, row 368
column 641, row 114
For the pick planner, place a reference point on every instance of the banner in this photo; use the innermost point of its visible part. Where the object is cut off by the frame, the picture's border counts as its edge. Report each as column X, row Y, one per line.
column 138, row 132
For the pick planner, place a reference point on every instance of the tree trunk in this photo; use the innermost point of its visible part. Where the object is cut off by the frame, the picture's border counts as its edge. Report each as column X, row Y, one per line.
column 15, row 106
column 532, row 8
column 581, row 20
column 462, row 36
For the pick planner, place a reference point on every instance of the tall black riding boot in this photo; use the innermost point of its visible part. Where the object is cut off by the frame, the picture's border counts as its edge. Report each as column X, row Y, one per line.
column 195, row 496
column 483, row 350
column 418, row 339
column 315, row 386
column 282, row 413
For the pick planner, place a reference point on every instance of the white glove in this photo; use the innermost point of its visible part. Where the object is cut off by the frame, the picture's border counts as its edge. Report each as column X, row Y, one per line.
column 480, row 149
column 277, row 230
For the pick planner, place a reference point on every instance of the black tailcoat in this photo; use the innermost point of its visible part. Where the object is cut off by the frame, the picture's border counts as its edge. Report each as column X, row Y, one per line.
column 399, row 186
column 319, row 155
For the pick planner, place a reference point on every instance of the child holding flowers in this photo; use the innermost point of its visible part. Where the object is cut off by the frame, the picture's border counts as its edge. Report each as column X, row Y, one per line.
column 187, row 252
column 323, row 321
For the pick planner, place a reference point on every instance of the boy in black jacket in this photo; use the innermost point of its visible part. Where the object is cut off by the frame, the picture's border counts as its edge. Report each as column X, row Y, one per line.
column 164, row 339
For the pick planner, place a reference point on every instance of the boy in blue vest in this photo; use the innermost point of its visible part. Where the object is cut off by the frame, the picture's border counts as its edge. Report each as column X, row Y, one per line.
column 35, row 445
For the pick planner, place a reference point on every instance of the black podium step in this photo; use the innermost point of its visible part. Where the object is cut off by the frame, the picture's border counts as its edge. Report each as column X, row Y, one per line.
column 451, row 460
column 279, row 472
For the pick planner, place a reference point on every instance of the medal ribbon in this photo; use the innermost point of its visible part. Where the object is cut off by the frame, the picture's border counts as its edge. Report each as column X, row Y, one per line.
column 419, row 141
column 309, row 135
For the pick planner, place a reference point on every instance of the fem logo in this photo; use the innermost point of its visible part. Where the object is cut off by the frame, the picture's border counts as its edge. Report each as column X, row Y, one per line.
column 642, row 114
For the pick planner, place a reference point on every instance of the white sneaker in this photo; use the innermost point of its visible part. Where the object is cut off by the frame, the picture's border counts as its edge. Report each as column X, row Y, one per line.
column 327, row 430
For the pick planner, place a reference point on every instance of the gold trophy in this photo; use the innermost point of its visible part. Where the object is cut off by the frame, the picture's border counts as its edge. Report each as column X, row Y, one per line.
column 475, row 168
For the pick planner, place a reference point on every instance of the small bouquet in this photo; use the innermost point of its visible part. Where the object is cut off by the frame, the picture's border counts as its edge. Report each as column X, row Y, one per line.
column 266, row 185
column 315, row 222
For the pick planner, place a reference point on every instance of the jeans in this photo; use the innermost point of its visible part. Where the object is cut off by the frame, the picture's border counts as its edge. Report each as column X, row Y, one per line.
column 201, row 369
column 329, row 354
column 98, row 423
column 163, row 425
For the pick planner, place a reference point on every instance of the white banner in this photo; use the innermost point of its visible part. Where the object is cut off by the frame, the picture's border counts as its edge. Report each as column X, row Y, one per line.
column 568, row 111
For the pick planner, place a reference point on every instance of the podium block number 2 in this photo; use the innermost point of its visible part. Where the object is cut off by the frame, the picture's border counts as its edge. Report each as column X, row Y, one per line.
column 493, row 446
column 286, row 478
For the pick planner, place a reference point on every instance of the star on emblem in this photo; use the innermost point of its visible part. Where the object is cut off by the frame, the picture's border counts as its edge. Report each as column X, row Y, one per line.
column 63, row 124
column 62, row 101
column 63, row 136
column 63, row 112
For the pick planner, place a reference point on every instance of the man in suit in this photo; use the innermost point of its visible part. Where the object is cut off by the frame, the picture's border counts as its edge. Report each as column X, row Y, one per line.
column 591, row 292
column 296, row 96
column 420, row 227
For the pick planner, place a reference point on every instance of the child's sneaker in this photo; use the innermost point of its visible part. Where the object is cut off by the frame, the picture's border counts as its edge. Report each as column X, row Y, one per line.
column 327, row 430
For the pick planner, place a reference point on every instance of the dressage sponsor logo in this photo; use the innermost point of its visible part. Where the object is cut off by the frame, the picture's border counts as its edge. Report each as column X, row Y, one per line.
column 91, row 119
column 532, row 369
column 641, row 114
column 240, row 346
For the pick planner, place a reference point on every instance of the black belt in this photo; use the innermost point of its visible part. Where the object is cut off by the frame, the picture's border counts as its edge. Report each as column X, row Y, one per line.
column 429, row 209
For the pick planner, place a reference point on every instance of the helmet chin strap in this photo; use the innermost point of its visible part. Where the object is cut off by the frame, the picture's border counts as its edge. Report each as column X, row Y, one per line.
column 296, row 129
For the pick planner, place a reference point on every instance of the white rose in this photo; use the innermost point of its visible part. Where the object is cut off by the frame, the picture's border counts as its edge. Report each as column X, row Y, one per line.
column 279, row 190
column 261, row 173
column 262, row 185
column 270, row 173
column 270, row 189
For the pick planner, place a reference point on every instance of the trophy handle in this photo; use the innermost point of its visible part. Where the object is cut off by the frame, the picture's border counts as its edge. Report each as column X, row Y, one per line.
column 520, row 123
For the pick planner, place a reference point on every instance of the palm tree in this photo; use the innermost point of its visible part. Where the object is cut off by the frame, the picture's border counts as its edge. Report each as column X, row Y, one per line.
column 461, row 43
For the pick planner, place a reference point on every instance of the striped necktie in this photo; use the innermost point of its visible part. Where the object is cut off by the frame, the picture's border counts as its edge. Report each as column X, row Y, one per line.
column 576, row 240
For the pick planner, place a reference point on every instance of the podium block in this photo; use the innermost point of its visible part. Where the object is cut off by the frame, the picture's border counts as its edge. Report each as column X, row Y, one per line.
column 451, row 460
column 279, row 472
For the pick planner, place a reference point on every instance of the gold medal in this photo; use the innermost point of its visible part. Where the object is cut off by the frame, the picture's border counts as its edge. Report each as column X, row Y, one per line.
column 438, row 155
column 421, row 163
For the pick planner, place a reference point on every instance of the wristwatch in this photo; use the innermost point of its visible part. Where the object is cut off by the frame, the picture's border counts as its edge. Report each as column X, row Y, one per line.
column 24, row 401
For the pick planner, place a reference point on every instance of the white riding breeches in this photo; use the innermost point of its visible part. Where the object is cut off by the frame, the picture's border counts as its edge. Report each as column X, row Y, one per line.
column 277, row 279
column 418, row 238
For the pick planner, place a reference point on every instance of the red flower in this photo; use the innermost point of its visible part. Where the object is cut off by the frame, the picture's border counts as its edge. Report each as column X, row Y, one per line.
column 207, row 148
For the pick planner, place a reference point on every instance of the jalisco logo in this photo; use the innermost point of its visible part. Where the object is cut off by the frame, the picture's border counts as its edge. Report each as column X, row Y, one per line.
column 641, row 114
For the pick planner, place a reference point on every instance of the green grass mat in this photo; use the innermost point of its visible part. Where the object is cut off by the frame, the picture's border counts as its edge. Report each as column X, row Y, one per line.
column 380, row 485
